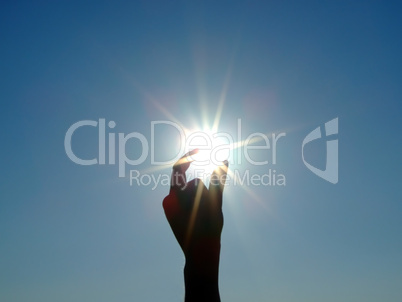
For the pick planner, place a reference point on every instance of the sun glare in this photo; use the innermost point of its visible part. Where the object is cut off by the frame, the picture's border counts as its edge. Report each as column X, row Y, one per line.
column 212, row 151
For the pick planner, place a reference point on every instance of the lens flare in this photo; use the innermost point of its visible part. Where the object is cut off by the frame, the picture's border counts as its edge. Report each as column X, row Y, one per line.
column 212, row 151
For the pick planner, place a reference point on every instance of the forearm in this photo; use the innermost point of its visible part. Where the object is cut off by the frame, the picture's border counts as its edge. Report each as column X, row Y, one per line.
column 201, row 285
column 201, row 274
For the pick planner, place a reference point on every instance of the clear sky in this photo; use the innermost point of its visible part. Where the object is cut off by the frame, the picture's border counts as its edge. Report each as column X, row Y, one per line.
column 81, row 233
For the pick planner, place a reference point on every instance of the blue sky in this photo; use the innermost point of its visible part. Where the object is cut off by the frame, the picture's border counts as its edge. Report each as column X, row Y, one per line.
column 81, row 233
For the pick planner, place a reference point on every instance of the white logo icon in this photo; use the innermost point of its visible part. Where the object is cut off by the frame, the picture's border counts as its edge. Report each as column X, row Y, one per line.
column 331, row 169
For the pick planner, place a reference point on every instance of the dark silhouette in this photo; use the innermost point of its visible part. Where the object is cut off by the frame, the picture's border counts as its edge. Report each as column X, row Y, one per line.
column 195, row 216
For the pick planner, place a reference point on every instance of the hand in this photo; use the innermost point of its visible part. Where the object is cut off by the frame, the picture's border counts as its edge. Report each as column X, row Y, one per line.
column 195, row 216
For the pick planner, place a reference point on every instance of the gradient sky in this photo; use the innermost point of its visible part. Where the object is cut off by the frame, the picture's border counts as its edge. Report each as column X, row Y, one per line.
column 81, row 233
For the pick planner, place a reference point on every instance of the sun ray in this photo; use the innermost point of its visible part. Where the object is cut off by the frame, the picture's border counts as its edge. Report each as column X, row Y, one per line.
column 247, row 190
column 256, row 139
column 157, row 168
column 206, row 126
column 157, row 104
column 222, row 98
column 168, row 114
column 199, row 60
column 194, row 212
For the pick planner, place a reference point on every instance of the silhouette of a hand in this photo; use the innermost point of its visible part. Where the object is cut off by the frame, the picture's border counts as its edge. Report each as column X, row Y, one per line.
column 195, row 216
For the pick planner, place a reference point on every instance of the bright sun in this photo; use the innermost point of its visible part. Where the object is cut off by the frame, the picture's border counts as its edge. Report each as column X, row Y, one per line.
column 212, row 151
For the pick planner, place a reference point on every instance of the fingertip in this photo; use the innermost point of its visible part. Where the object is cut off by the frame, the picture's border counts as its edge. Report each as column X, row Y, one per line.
column 192, row 152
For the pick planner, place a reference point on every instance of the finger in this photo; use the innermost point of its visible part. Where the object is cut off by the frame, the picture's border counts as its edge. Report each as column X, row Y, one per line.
column 185, row 161
column 178, row 180
column 217, row 182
